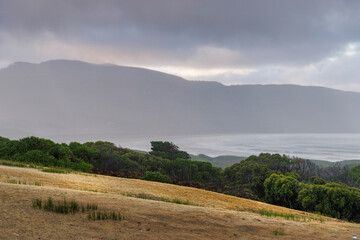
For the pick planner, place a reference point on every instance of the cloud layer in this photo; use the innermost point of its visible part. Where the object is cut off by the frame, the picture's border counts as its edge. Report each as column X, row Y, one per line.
column 234, row 42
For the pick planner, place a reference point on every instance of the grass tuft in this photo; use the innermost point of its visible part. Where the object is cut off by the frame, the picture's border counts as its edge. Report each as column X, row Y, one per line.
column 101, row 215
column 278, row 232
column 36, row 203
column 267, row 213
column 91, row 207
column 12, row 181
column 62, row 207
column 23, row 182
column 49, row 205
column 65, row 207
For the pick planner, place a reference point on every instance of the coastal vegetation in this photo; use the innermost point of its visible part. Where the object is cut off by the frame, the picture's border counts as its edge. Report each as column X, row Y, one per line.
column 272, row 178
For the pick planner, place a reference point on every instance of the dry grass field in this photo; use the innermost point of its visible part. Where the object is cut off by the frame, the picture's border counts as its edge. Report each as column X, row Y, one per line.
column 209, row 215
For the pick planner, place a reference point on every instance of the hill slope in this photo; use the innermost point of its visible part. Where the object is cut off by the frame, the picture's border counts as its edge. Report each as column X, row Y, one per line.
column 219, row 216
column 76, row 98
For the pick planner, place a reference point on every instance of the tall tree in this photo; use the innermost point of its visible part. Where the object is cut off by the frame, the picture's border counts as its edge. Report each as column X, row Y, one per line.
column 167, row 150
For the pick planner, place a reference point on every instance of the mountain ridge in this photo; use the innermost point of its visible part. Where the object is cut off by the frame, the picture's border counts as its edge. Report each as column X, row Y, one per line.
column 62, row 97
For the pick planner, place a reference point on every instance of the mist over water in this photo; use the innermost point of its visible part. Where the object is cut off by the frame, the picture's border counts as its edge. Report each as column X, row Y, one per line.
column 330, row 147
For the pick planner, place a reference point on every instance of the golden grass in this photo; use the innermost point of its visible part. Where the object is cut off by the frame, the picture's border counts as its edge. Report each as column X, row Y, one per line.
column 121, row 186
column 219, row 217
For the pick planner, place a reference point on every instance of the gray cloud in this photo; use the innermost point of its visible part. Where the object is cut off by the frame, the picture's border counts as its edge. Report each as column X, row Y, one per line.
column 259, row 34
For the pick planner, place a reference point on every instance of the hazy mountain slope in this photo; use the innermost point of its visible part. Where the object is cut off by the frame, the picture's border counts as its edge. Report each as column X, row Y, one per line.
column 224, row 161
column 347, row 163
column 219, row 161
column 70, row 97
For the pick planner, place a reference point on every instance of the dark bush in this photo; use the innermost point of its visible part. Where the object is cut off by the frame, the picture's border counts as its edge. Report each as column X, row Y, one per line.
column 156, row 177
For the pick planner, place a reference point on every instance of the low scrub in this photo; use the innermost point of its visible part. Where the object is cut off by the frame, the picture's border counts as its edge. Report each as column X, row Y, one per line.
column 72, row 207
column 156, row 177
column 271, row 178
column 63, row 207
column 93, row 207
column 98, row 215
column 267, row 213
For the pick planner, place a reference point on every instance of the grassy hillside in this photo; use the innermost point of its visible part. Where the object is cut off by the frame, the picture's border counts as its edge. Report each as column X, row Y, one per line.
column 349, row 163
column 270, row 178
column 149, row 211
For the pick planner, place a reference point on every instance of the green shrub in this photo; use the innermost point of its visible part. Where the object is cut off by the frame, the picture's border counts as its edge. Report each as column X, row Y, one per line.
column 44, row 152
column 318, row 181
column 156, row 177
column 35, row 156
column 282, row 190
column 331, row 199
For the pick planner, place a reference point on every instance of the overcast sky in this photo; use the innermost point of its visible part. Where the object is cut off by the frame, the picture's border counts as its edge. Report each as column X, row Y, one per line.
column 234, row 42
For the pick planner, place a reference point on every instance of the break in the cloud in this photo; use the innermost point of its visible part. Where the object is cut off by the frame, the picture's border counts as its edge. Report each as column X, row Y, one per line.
column 234, row 42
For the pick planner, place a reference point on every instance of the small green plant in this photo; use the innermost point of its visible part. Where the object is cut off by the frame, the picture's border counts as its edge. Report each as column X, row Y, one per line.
column 36, row 203
column 91, row 207
column 12, row 181
column 278, row 232
column 49, row 205
column 267, row 213
column 98, row 215
column 156, row 177
column 74, row 207
column 37, row 184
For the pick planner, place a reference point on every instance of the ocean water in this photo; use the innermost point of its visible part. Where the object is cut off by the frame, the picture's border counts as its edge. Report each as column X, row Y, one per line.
column 330, row 147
